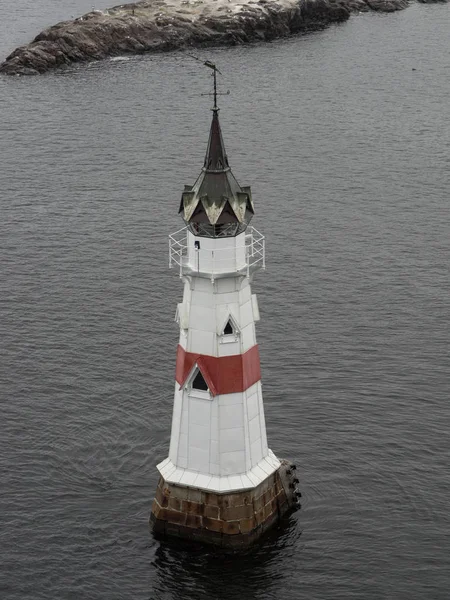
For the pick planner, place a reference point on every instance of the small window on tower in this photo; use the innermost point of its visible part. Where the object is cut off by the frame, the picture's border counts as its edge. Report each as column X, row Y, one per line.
column 228, row 328
column 199, row 383
column 230, row 332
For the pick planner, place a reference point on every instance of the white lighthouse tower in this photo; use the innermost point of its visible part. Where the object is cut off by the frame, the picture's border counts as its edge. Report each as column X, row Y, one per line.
column 221, row 483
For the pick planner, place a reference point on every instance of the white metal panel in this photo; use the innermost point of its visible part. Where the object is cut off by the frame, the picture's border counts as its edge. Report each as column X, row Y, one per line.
column 248, row 337
column 245, row 292
column 202, row 318
column 246, row 481
column 193, row 393
column 214, row 469
column 224, row 484
column 248, row 462
column 256, row 316
column 266, row 467
column 246, row 316
column 200, row 412
column 231, row 440
column 222, row 481
column 275, row 461
column 163, row 464
column 256, row 451
column 201, row 342
column 227, row 284
column 262, row 422
column 224, row 298
column 202, row 481
column 182, row 340
column 202, row 285
column 214, row 452
column 168, row 469
column 234, row 398
column 184, row 420
column 198, row 459
column 176, row 423
column 182, row 462
column 272, row 459
column 201, row 298
column 235, row 482
column 252, row 406
column 215, row 419
column 182, row 315
column 232, row 463
column 216, row 255
column 188, row 478
column 231, row 416
column 214, row 484
column 265, row 448
column 259, row 473
column 230, row 348
column 183, row 446
column 199, row 436
column 253, row 389
column 186, row 291
column 254, row 428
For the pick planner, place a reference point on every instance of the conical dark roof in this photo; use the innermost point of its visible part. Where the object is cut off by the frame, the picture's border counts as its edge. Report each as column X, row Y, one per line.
column 216, row 198
column 216, row 157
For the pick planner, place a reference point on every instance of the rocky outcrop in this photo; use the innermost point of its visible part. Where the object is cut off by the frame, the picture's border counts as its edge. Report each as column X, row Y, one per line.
column 387, row 5
column 159, row 25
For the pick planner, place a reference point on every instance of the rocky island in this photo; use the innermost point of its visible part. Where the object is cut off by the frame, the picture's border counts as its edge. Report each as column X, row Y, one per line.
column 161, row 25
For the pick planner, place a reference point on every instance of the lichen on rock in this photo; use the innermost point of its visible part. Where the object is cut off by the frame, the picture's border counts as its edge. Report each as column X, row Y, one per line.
column 160, row 25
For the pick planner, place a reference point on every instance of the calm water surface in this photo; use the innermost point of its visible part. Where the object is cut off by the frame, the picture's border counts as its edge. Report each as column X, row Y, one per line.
column 347, row 149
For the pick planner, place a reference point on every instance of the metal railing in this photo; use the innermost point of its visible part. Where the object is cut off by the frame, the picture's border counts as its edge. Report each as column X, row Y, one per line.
column 218, row 262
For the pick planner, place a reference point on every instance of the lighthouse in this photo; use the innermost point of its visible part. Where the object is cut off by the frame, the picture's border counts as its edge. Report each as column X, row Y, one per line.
column 221, row 483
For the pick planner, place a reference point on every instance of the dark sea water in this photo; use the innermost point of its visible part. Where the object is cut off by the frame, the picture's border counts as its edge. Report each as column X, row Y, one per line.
column 347, row 149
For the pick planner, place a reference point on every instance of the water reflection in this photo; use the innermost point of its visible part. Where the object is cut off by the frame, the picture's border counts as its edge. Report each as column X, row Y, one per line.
column 193, row 571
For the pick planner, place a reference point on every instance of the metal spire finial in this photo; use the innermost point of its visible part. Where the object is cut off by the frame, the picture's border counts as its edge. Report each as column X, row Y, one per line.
column 215, row 70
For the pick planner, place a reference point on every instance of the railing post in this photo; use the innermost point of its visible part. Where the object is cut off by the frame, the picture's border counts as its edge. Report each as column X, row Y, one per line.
column 247, row 260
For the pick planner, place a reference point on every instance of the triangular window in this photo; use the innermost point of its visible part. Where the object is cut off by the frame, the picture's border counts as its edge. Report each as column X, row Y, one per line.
column 229, row 332
column 228, row 329
column 199, row 382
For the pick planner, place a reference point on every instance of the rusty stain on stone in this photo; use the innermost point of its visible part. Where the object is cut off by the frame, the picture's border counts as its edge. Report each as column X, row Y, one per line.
column 232, row 519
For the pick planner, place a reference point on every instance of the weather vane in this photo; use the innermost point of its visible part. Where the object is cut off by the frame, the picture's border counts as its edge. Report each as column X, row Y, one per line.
column 215, row 70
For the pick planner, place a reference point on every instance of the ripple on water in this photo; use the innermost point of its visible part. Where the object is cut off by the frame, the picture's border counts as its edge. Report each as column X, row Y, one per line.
column 348, row 179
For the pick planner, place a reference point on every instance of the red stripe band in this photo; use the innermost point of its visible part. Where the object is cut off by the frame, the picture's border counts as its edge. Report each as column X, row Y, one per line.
column 225, row 374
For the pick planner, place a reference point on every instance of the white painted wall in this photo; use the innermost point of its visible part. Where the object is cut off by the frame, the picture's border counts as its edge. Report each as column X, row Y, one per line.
column 216, row 255
column 221, row 440
column 205, row 309
column 221, row 435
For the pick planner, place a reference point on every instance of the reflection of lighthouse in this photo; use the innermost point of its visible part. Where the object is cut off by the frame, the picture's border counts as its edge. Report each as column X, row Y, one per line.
column 221, row 483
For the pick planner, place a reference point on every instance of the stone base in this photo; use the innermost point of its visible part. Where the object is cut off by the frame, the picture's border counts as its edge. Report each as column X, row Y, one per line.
column 231, row 519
